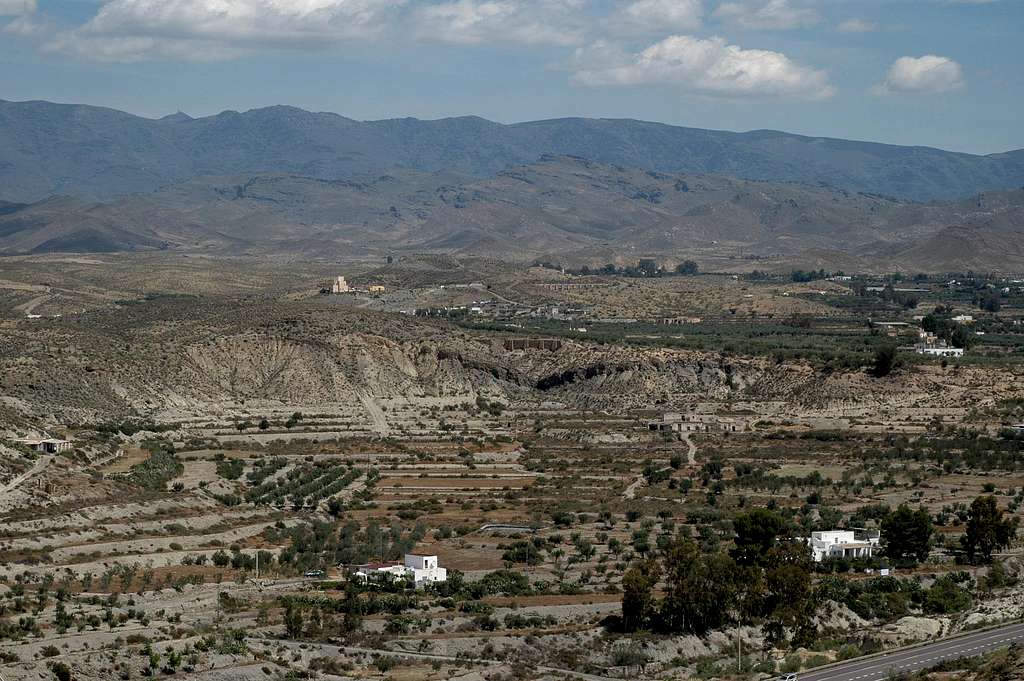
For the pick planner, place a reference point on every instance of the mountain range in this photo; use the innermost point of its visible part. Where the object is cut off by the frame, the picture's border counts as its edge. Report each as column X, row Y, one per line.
column 560, row 207
column 98, row 153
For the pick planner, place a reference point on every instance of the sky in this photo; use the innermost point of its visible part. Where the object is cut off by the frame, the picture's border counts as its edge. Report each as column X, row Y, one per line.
column 941, row 73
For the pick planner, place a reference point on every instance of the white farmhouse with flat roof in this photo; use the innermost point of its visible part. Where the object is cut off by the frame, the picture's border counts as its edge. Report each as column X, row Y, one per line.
column 418, row 569
column 843, row 544
column 47, row 445
column 939, row 351
column 424, row 569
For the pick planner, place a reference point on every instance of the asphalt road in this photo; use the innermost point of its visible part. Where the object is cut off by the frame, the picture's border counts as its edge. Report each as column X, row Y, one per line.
column 880, row 667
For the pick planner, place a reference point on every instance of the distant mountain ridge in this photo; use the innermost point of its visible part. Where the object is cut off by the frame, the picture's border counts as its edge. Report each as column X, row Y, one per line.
column 99, row 153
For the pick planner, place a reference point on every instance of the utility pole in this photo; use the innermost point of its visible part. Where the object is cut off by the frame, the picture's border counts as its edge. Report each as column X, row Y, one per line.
column 257, row 564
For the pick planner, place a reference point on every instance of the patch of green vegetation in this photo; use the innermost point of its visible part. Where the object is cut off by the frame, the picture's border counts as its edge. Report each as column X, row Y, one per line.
column 230, row 469
column 162, row 465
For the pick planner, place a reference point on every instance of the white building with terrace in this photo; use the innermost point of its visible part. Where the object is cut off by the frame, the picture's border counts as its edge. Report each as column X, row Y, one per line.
column 847, row 544
column 418, row 569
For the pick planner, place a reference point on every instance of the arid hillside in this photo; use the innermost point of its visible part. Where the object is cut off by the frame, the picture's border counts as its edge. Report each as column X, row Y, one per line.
column 560, row 207
column 171, row 359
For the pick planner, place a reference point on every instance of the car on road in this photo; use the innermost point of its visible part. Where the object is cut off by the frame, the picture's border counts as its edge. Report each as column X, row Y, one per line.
column 315, row 573
column 787, row 677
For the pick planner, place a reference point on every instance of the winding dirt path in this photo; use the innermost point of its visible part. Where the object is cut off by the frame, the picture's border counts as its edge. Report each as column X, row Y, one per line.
column 691, row 454
column 691, row 459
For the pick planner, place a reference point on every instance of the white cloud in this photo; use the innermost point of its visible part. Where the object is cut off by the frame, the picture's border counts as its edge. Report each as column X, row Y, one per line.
column 705, row 66
column 128, row 49
column 773, row 15
column 131, row 30
column 207, row 30
column 474, row 22
column 856, row 26
column 15, row 8
column 664, row 16
column 922, row 75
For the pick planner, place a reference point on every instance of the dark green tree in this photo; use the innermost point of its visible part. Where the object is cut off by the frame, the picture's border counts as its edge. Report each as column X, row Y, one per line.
column 687, row 268
column 638, row 595
column 946, row 596
column 906, row 534
column 700, row 591
column 61, row 671
column 960, row 337
column 789, row 601
column 987, row 530
column 293, row 621
column 756, row 534
column 522, row 552
column 885, row 361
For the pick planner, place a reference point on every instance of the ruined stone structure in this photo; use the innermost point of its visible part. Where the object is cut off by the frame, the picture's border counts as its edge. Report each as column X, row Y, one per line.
column 573, row 285
column 697, row 423
column 340, row 286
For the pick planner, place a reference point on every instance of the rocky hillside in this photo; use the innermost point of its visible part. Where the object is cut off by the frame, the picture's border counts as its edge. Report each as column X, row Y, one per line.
column 177, row 358
column 558, row 207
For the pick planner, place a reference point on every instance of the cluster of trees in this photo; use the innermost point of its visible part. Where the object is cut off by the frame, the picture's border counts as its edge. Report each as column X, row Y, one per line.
column 645, row 267
column 802, row 276
column 958, row 450
column 888, row 294
column 765, row 578
column 264, row 468
column 888, row 598
column 238, row 560
column 940, row 322
column 318, row 616
column 318, row 543
column 155, row 472
column 305, row 485
column 907, row 533
column 264, row 424
column 989, row 300
column 229, row 469
column 530, row 552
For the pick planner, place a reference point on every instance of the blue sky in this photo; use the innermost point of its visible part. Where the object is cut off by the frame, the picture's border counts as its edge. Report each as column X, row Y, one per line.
column 943, row 73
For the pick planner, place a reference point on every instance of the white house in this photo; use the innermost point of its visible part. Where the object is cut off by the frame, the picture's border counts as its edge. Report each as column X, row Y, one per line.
column 424, row 569
column 939, row 350
column 843, row 544
column 418, row 569
column 46, row 445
